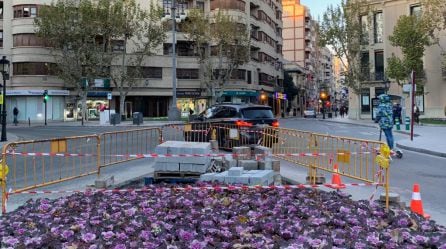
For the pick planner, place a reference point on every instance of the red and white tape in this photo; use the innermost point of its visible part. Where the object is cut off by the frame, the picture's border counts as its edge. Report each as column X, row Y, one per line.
column 199, row 188
column 155, row 155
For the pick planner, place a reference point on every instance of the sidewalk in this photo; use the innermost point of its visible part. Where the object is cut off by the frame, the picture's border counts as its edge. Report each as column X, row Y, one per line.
column 427, row 139
column 95, row 123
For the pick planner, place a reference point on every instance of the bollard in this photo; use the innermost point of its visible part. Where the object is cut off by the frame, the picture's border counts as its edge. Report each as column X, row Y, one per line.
column 29, row 121
column 407, row 123
column 398, row 126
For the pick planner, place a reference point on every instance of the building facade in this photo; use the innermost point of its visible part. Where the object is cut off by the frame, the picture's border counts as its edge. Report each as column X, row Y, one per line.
column 376, row 49
column 31, row 66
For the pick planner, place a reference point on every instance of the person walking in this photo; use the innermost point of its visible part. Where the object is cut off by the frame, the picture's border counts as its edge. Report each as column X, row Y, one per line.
column 385, row 118
column 15, row 111
column 416, row 114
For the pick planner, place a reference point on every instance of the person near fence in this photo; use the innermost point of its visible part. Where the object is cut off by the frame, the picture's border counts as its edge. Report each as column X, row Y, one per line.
column 15, row 111
column 385, row 115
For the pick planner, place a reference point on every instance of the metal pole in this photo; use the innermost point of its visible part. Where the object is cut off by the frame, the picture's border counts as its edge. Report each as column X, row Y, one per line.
column 412, row 105
column 45, row 112
column 174, row 113
column 4, row 138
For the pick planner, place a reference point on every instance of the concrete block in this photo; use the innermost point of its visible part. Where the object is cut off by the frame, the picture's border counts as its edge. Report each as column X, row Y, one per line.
column 214, row 145
column 194, row 160
column 208, row 177
column 170, row 166
column 191, row 167
column 104, row 182
column 262, row 177
column 276, row 165
column 261, row 165
column 237, row 180
column 277, row 179
column 268, row 164
column 261, row 152
column 229, row 163
column 235, row 171
column 180, row 147
column 248, row 164
column 220, row 177
column 320, row 179
column 242, row 153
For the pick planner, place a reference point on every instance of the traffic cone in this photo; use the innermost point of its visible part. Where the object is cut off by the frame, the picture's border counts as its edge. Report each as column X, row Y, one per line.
column 416, row 205
column 336, row 178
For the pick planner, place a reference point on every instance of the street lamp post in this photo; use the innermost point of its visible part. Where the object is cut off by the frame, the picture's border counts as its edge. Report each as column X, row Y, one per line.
column 174, row 113
column 5, row 73
column 386, row 84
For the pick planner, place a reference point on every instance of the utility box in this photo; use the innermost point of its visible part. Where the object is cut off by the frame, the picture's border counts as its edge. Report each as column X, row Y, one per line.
column 137, row 118
column 115, row 118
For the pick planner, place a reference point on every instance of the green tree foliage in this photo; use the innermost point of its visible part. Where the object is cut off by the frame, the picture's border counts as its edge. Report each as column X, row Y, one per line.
column 410, row 35
column 228, row 40
column 341, row 30
column 81, row 35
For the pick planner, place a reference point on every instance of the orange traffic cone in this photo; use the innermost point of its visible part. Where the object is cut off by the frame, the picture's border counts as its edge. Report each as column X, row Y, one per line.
column 336, row 178
column 416, row 205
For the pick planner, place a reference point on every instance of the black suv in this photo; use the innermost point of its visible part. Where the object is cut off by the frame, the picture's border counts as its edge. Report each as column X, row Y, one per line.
column 251, row 121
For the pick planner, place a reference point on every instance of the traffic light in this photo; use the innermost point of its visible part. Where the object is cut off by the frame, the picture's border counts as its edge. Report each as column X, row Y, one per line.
column 327, row 104
column 45, row 96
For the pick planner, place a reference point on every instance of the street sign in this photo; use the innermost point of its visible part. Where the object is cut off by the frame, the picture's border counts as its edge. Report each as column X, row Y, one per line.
column 109, row 96
column 407, row 88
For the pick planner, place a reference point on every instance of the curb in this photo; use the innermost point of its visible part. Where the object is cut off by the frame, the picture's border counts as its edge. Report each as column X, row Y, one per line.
column 349, row 123
column 420, row 150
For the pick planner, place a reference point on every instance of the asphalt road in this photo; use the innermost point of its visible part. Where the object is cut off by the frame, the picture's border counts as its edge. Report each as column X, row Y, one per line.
column 429, row 171
column 424, row 169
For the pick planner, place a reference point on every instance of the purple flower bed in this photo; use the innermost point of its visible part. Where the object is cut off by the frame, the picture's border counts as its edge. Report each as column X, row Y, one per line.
column 298, row 218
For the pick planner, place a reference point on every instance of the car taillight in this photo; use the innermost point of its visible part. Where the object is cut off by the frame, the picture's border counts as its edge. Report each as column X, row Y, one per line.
column 243, row 123
column 275, row 124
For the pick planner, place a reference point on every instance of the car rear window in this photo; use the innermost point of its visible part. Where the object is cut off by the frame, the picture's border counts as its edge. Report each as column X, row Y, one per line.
column 257, row 113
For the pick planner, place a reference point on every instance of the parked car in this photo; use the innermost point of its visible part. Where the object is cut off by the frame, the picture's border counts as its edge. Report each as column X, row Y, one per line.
column 310, row 112
column 253, row 123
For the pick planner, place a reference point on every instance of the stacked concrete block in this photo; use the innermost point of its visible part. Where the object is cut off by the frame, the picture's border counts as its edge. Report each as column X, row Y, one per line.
column 261, row 152
column 276, row 166
column 235, row 171
column 207, row 177
column 248, row 164
column 242, row 153
column 246, row 177
column 262, row 177
column 197, row 164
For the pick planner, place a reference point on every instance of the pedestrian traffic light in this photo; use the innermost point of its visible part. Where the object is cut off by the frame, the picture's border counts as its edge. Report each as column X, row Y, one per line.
column 45, row 96
column 327, row 104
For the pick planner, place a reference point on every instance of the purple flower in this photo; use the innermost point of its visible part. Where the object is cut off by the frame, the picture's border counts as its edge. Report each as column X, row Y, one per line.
column 130, row 212
column 10, row 241
column 44, row 207
column 107, row 235
column 145, row 235
column 120, row 246
column 33, row 240
column 187, row 236
column 88, row 237
column 66, row 234
column 197, row 244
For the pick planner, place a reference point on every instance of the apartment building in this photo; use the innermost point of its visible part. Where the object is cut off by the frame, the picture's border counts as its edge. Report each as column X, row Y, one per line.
column 31, row 65
column 300, row 46
column 376, row 49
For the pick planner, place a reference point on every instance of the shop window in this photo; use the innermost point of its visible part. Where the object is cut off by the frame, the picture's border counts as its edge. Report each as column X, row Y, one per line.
column 34, row 68
column 22, row 11
column 185, row 73
column 365, row 101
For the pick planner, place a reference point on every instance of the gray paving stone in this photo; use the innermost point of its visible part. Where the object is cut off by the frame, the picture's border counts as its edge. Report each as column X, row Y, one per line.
column 191, row 167
column 167, row 166
column 243, row 153
column 208, row 177
column 235, row 171
column 262, row 177
column 262, row 151
column 248, row 164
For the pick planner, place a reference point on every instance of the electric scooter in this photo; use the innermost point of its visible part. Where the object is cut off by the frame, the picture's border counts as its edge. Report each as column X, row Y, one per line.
column 394, row 152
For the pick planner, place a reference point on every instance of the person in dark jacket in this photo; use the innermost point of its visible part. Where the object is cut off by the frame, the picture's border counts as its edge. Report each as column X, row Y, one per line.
column 15, row 111
column 386, row 117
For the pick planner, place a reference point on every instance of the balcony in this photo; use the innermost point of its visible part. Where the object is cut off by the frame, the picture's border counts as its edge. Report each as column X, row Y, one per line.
column 443, row 72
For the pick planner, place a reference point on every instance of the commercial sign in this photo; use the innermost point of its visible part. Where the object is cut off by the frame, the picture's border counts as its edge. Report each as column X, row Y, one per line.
column 37, row 92
column 241, row 93
column 278, row 95
column 190, row 93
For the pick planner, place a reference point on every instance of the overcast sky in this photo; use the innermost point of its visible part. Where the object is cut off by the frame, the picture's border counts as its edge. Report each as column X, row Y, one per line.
column 318, row 7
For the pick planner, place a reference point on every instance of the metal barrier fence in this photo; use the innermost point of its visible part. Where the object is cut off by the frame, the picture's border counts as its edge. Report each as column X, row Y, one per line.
column 39, row 163
column 126, row 142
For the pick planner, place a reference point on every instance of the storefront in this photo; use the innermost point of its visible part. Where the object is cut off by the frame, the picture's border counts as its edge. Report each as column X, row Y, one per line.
column 191, row 100
column 235, row 96
column 31, row 106
column 96, row 102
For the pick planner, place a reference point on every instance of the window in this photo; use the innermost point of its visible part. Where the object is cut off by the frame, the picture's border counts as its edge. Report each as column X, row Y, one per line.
column 365, row 65
column 415, row 10
column 117, row 45
column 200, row 5
column 249, row 77
column 152, row 72
column 239, row 74
column 365, row 100
column 1, row 38
column 364, row 30
column 28, row 40
column 265, row 79
column 1, row 9
column 379, row 65
column 21, row 11
column 34, row 68
column 228, row 4
column 378, row 27
column 183, row 73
